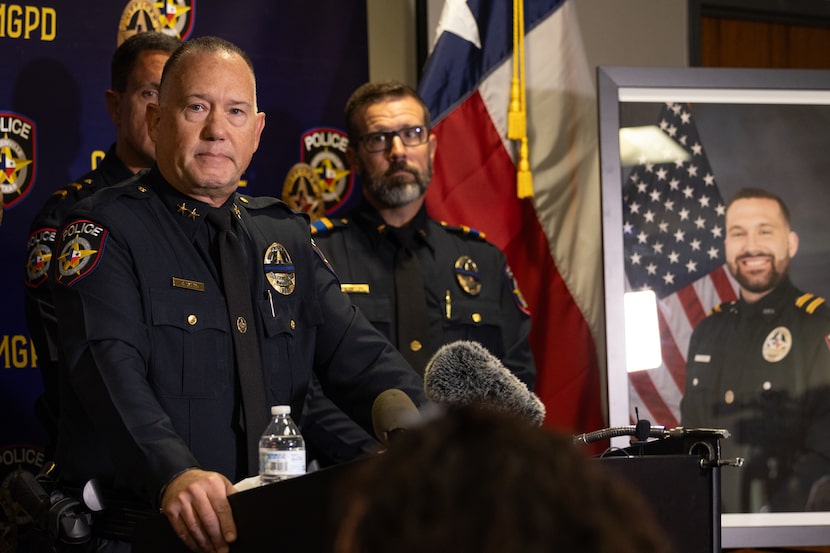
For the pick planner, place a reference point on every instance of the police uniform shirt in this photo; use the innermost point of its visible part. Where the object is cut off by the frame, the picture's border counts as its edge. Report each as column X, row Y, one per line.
column 39, row 308
column 148, row 340
column 762, row 372
column 470, row 292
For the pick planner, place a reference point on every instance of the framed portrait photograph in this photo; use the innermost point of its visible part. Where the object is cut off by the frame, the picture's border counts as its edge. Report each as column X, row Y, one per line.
column 676, row 144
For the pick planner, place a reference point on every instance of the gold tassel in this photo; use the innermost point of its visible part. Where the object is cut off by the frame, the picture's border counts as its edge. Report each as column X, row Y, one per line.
column 516, row 124
column 524, row 178
column 517, row 114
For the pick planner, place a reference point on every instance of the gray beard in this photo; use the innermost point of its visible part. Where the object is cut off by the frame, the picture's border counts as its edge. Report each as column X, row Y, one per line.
column 397, row 195
column 394, row 193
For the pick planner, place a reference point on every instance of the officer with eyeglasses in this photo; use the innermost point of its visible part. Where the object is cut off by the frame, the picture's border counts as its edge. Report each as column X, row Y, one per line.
column 422, row 283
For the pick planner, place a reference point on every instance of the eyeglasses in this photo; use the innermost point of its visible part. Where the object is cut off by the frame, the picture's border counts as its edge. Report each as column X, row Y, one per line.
column 382, row 141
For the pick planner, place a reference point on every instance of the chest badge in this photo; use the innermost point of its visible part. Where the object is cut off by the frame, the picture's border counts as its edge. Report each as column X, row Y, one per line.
column 777, row 344
column 467, row 275
column 279, row 269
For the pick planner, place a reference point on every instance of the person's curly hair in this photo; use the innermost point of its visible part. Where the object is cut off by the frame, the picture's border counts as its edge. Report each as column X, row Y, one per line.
column 479, row 481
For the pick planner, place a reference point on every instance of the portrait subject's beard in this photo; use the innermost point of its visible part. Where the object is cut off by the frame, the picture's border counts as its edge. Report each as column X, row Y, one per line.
column 396, row 191
column 759, row 281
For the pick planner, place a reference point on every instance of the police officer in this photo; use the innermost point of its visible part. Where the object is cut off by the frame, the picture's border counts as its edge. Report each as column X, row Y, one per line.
column 760, row 366
column 135, row 74
column 156, row 406
column 465, row 290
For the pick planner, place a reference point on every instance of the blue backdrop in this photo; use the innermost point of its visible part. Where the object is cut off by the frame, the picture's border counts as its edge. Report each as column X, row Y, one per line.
column 309, row 55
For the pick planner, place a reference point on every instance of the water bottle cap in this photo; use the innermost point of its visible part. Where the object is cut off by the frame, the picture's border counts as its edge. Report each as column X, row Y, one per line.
column 281, row 410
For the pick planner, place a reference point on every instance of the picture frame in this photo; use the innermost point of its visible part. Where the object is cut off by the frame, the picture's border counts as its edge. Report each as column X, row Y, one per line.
column 768, row 128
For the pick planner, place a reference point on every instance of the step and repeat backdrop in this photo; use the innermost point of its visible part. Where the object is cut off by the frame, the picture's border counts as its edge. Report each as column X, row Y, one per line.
column 309, row 55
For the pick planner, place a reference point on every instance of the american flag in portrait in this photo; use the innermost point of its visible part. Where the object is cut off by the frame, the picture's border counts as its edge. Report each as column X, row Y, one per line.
column 673, row 230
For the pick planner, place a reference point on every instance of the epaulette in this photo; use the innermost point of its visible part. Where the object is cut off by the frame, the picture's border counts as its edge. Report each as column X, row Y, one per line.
column 809, row 302
column 260, row 202
column 132, row 187
column 722, row 307
column 463, row 230
column 73, row 187
column 324, row 226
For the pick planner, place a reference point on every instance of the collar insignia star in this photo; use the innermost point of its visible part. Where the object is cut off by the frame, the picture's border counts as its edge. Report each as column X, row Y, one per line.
column 187, row 212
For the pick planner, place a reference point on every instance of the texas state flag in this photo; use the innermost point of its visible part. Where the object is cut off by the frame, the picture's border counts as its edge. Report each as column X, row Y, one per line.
column 552, row 240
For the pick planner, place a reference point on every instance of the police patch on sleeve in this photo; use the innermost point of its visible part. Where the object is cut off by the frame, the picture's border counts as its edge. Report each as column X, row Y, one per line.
column 39, row 257
column 81, row 247
column 517, row 294
column 279, row 269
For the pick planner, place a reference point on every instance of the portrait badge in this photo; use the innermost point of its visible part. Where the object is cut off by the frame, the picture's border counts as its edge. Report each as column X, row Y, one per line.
column 467, row 275
column 777, row 344
column 301, row 191
column 81, row 247
column 324, row 149
column 17, row 157
column 279, row 269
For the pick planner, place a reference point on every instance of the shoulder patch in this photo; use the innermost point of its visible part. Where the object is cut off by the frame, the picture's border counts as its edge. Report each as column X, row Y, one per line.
column 517, row 294
column 40, row 250
column 81, row 247
column 324, row 226
column 809, row 302
column 464, row 230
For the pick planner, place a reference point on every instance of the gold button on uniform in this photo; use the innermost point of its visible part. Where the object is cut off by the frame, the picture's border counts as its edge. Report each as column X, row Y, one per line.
column 476, row 317
column 415, row 345
column 292, row 324
column 192, row 320
column 241, row 325
column 729, row 397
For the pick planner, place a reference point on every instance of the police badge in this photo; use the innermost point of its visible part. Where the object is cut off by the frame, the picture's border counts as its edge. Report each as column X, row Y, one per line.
column 279, row 269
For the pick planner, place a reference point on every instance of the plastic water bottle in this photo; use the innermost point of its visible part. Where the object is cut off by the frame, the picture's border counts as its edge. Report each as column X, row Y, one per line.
column 281, row 448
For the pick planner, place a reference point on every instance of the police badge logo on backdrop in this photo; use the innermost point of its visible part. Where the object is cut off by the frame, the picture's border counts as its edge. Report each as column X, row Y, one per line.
column 17, row 157
column 324, row 149
column 302, row 191
column 174, row 18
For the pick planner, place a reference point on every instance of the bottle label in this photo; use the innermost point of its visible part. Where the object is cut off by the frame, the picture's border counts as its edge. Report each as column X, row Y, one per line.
column 281, row 463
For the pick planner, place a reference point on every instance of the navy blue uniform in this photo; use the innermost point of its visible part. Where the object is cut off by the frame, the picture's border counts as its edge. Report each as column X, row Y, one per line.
column 363, row 256
column 37, row 299
column 762, row 372
column 150, row 366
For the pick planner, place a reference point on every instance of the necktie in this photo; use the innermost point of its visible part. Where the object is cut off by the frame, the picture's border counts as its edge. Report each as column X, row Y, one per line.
column 245, row 347
column 410, row 301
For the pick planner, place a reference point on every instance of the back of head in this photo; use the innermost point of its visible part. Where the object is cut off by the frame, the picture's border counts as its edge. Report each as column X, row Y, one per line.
column 480, row 481
column 128, row 52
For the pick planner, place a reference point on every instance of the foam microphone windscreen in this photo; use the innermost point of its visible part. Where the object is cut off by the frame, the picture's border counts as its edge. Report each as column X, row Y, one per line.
column 464, row 372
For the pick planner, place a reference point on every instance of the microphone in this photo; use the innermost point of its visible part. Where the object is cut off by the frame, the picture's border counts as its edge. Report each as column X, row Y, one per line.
column 464, row 372
column 393, row 413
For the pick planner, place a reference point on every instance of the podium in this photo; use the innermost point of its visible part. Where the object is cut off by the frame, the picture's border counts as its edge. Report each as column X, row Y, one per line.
column 684, row 497
column 301, row 514
column 297, row 515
